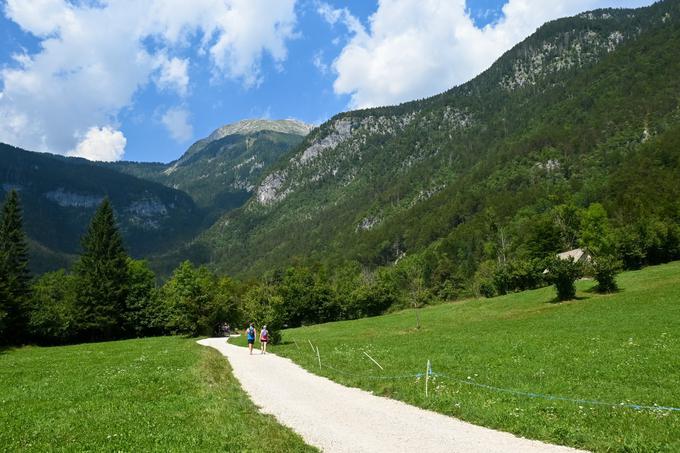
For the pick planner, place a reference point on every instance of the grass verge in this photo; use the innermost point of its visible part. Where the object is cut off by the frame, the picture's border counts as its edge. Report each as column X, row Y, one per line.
column 622, row 348
column 156, row 394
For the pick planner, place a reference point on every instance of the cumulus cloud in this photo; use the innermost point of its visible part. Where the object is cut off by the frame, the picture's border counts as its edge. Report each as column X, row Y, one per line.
column 176, row 120
column 416, row 48
column 94, row 56
column 174, row 75
column 101, row 144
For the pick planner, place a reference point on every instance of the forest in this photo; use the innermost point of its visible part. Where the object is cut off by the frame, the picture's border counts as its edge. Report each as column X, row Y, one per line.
column 107, row 295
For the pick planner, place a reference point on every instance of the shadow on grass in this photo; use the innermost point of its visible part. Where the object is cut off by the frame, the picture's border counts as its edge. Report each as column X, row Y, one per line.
column 555, row 300
column 6, row 349
column 596, row 290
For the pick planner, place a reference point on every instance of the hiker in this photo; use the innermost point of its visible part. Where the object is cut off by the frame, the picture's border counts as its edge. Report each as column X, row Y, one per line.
column 250, row 333
column 264, row 337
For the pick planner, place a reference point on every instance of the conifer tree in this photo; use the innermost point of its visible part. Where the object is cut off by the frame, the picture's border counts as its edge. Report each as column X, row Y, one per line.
column 15, row 290
column 102, row 278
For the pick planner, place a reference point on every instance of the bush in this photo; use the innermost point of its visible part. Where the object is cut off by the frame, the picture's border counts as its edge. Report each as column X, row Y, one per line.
column 563, row 274
column 486, row 289
column 605, row 269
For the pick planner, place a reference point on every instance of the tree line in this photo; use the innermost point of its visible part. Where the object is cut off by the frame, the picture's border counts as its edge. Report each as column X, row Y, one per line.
column 108, row 295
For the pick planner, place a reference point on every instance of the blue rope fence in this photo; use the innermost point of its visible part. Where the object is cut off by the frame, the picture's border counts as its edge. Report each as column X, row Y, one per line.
column 505, row 390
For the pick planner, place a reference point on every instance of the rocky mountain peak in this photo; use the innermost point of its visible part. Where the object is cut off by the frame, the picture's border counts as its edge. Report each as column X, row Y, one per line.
column 251, row 126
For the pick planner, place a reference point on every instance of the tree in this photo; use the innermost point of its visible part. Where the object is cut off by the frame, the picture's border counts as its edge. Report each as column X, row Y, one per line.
column 567, row 218
column 143, row 314
column 191, row 299
column 53, row 316
column 563, row 274
column 605, row 269
column 263, row 306
column 102, row 278
column 596, row 234
column 15, row 291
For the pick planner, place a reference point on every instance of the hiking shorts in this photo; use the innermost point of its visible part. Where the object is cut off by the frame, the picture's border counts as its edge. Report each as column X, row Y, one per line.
column 251, row 340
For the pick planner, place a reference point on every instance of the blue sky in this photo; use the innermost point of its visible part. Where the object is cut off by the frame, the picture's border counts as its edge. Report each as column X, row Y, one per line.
column 143, row 80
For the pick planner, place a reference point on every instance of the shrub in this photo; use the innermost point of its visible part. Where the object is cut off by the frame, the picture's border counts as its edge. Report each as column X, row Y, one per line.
column 563, row 274
column 605, row 269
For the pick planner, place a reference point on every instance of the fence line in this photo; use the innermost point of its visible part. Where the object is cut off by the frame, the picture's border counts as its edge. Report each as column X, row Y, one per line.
column 500, row 389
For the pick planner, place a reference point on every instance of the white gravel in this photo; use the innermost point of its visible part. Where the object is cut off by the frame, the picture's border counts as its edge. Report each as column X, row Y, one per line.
column 336, row 418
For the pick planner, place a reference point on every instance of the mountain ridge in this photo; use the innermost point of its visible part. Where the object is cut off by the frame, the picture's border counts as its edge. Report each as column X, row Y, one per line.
column 59, row 195
column 220, row 171
column 376, row 172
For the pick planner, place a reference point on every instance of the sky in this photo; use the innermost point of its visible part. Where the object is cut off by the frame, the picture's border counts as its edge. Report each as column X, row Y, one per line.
column 142, row 80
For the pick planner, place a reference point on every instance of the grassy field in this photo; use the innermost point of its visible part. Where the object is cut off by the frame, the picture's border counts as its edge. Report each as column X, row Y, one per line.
column 619, row 348
column 157, row 394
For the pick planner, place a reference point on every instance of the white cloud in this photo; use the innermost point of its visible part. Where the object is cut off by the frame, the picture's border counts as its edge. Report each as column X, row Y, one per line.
column 94, row 56
column 174, row 75
column 249, row 29
column 317, row 61
column 101, row 144
column 342, row 15
column 417, row 48
column 176, row 120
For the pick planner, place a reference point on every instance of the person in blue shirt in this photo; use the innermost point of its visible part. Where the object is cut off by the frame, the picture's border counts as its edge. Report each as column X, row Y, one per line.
column 250, row 334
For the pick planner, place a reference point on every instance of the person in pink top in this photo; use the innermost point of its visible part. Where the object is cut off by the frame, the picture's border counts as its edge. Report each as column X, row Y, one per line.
column 264, row 337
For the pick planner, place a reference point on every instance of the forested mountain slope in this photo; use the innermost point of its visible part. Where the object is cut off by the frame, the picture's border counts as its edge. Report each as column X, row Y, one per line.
column 220, row 171
column 60, row 194
column 585, row 110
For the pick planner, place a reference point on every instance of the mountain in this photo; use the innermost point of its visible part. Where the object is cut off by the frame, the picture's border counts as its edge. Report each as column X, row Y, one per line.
column 221, row 171
column 585, row 110
column 60, row 194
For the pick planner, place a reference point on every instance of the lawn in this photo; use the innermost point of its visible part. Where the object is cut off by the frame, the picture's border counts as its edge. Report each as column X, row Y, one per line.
column 619, row 349
column 157, row 394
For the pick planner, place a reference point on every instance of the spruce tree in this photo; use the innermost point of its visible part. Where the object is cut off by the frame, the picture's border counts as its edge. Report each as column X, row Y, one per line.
column 102, row 278
column 15, row 290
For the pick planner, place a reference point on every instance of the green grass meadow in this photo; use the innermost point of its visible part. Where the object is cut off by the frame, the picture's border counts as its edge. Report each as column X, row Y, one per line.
column 156, row 394
column 618, row 348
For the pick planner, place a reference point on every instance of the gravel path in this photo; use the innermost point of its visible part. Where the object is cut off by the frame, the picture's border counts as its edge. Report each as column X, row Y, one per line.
column 336, row 418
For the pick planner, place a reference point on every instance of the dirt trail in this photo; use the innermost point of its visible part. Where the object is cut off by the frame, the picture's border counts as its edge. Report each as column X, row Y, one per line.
column 336, row 418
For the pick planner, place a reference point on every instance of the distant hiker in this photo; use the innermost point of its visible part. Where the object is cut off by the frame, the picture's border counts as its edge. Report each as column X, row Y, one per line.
column 250, row 333
column 264, row 337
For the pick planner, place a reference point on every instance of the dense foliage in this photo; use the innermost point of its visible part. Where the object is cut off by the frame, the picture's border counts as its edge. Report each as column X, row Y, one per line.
column 60, row 194
column 569, row 140
column 102, row 277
